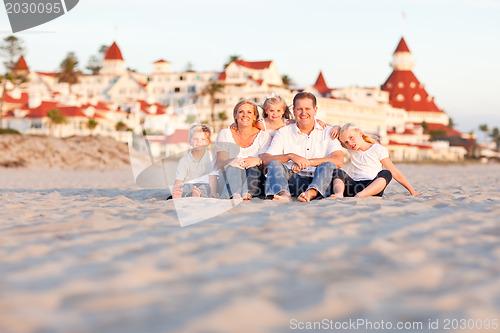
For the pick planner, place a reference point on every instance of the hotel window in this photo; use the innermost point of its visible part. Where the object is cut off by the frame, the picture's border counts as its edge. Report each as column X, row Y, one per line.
column 177, row 89
column 181, row 78
column 191, row 89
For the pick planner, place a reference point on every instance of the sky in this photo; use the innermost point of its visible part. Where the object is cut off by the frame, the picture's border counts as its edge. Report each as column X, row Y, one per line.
column 455, row 43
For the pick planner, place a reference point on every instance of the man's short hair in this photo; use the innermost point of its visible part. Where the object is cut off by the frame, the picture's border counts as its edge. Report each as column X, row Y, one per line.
column 303, row 95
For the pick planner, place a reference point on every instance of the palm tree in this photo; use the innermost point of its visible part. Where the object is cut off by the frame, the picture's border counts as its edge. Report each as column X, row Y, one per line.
column 56, row 118
column 69, row 72
column 484, row 128
column 211, row 90
column 495, row 135
column 120, row 126
column 11, row 48
column 231, row 58
column 92, row 124
column 287, row 81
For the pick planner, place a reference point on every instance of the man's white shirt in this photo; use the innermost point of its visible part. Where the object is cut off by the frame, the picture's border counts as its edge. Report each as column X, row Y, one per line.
column 318, row 144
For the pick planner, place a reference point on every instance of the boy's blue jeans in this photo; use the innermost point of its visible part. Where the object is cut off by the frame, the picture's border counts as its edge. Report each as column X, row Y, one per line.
column 187, row 189
column 280, row 178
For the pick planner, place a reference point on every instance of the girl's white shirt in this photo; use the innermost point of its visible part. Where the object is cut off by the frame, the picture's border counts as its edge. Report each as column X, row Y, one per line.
column 365, row 165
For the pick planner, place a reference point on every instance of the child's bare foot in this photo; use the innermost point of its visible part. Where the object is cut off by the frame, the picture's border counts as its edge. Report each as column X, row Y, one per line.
column 177, row 193
column 283, row 196
column 308, row 195
column 247, row 196
column 360, row 195
column 338, row 196
column 236, row 196
column 196, row 192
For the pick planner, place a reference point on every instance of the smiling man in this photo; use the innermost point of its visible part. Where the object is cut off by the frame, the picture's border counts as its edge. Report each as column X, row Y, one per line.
column 302, row 156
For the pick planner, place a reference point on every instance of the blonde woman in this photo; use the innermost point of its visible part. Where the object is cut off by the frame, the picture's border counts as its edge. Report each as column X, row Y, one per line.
column 239, row 151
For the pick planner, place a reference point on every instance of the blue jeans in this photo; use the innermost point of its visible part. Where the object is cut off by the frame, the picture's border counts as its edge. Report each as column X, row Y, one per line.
column 240, row 181
column 280, row 178
column 187, row 189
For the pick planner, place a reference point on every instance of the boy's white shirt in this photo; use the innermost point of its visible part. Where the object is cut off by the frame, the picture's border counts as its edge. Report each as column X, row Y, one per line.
column 365, row 165
column 191, row 171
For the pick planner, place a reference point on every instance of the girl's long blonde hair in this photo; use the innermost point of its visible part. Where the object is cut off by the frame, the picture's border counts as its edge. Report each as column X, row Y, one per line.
column 353, row 126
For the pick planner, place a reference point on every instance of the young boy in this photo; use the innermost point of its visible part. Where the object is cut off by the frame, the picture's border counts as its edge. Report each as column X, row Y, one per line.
column 196, row 174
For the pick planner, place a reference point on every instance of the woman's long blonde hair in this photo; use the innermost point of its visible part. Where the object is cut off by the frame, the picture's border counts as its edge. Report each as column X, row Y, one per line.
column 353, row 126
column 243, row 102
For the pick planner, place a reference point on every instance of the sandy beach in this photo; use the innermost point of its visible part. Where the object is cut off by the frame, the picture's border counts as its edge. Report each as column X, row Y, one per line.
column 89, row 251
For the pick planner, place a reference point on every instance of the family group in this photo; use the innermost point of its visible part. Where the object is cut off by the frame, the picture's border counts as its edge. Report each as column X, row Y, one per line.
column 283, row 156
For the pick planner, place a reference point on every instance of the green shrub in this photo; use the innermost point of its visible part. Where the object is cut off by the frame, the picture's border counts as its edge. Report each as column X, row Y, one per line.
column 9, row 131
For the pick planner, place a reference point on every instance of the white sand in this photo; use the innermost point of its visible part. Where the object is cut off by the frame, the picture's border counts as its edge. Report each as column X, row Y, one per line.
column 88, row 251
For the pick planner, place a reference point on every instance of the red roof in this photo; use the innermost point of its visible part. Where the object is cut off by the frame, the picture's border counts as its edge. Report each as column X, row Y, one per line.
column 23, row 100
column 254, row 64
column 447, row 130
column 222, row 76
column 321, row 86
column 71, row 111
column 113, row 53
column 46, row 73
column 179, row 136
column 41, row 110
column 406, row 132
column 160, row 61
column 414, row 96
column 160, row 108
column 21, row 65
column 402, row 47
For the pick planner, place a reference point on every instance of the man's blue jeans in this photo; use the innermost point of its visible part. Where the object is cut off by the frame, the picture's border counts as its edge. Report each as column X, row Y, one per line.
column 240, row 181
column 280, row 178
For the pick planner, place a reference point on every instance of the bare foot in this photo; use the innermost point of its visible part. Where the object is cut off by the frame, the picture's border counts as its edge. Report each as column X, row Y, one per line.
column 308, row 195
column 196, row 192
column 283, row 196
column 177, row 193
column 359, row 195
column 247, row 196
column 236, row 196
column 338, row 196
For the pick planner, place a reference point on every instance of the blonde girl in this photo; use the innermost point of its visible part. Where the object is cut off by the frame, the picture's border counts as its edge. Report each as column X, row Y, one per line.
column 368, row 158
column 276, row 114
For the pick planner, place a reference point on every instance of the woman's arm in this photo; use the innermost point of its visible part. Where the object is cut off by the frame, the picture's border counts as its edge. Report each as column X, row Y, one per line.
column 398, row 175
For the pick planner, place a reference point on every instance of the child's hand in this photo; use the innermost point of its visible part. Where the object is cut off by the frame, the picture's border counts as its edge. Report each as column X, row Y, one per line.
column 295, row 168
column 233, row 126
column 289, row 121
column 260, row 125
column 334, row 134
column 321, row 123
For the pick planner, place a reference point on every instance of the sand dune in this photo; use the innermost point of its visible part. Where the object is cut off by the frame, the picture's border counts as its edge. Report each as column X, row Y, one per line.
column 88, row 251
column 42, row 152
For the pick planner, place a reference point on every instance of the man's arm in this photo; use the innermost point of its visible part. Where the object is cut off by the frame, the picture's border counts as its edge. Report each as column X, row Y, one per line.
column 337, row 158
column 302, row 162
